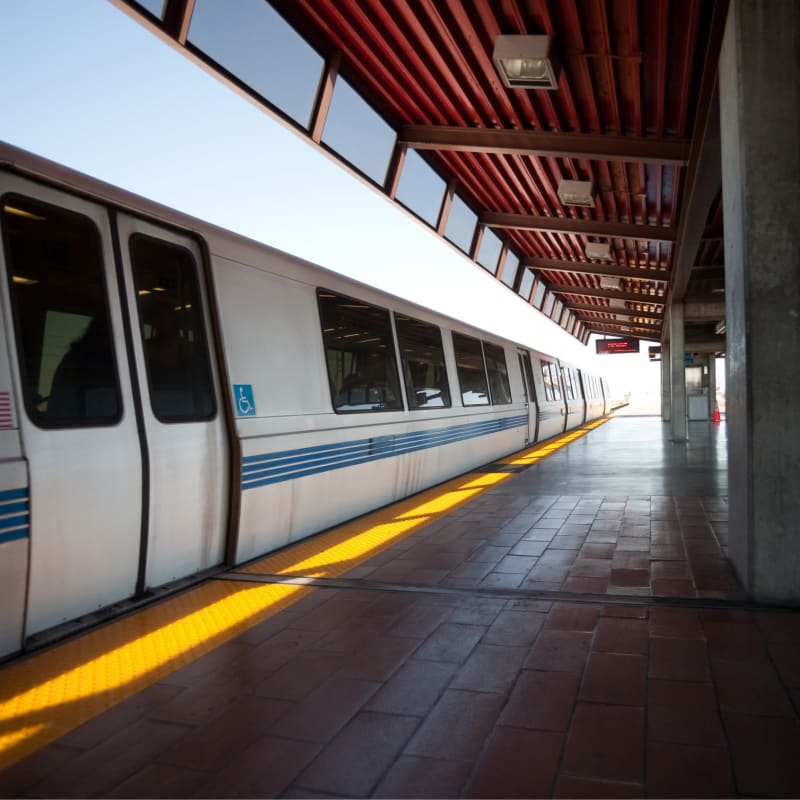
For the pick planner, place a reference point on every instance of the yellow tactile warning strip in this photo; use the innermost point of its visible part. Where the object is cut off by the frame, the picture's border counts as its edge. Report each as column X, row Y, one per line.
column 46, row 695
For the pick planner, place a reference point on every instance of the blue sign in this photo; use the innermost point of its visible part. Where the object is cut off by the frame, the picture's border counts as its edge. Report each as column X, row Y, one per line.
column 688, row 359
column 243, row 400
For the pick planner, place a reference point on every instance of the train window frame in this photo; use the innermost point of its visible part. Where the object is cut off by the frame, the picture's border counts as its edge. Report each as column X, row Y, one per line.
column 200, row 356
column 354, row 380
column 494, row 357
column 108, row 368
column 434, row 343
column 460, row 351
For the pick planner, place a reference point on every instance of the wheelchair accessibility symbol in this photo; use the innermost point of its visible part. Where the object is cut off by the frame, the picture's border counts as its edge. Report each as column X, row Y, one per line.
column 243, row 398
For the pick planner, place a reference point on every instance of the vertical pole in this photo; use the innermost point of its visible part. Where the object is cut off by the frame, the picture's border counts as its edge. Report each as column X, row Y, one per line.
column 712, row 384
column 665, row 390
column 677, row 373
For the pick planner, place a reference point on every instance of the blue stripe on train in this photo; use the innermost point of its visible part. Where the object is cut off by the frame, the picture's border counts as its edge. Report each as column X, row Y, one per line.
column 287, row 465
column 16, row 525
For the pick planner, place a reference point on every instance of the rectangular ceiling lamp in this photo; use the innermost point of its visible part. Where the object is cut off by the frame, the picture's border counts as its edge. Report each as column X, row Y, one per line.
column 576, row 193
column 609, row 283
column 599, row 250
column 525, row 62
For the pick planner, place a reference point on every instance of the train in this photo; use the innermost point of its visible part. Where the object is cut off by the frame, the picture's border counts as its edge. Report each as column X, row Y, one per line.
column 177, row 399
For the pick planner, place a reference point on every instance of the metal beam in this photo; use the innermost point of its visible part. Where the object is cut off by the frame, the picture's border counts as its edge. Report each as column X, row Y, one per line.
column 583, row 227
column 592, row 147
column 619, row 312
column 703, row 312
column 610, row 294
column 588, row 268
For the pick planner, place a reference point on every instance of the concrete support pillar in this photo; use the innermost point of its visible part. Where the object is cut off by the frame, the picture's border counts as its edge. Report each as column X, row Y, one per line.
column 677, row 378
column 760, row 119
column 665, row 390
column 712, row 384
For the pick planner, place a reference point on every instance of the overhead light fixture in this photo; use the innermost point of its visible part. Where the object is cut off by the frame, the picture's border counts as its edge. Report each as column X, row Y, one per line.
column 615, row 303
column 599, row 250
column 609, row 283
column 576, row 193
column 526, row 62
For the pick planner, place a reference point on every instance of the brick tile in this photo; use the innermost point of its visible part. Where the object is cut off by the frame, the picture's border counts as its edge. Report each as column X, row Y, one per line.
column 630, row 560
column 413, row 689
column 615, row 678
column 682, row 770
column 666, row 587
column 597, row 550
column 676, row 623
column 683, row 713
column 764, row 751
column 98, row 771
column 591, row 567
column 264, row 769
column 556, row 558
column 668, row 552
column 325, row 710
column 490, row 668
column 621, row 636
column 751, row 688
column 629, row 577
column 17, row 780
column 786, row 658
column 562, row 651
column 669, row 569
column 159, row 780
column 280, row 648
column 585, row 585
column 301, row 675
column 421, row 620
column 379, row 658
column 502, row 580
column 450, row 642
column 541, row 700
column 633, row 544
column 581, row 788
column 414, row 777
column 780, row 626
column 624, row 611
column 210, row 746
column 679, row 660
column 516, row 763
column 567, row 542
column 515, row 628
column 527, row 547
column 359, row 755
column 573, row 616
column 606, row 743
column 457, row 726
column 489, row 554
column 735, row 642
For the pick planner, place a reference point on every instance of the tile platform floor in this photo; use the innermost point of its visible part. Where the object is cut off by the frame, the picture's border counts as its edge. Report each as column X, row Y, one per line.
column 535, row 643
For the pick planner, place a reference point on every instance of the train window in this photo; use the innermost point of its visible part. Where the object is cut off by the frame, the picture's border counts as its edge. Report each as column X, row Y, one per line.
column 489, row 252
column 510, row 268
column 60, row 307
column 552, row 389
column 471, row 371
column 569, row 383
column 358, row 133
column 172, row 330
column 255, row 44
column 422, row 358
column 498, row 374
column 359, row 352
column 421, row 189
column 460, row 226
column 526, row 284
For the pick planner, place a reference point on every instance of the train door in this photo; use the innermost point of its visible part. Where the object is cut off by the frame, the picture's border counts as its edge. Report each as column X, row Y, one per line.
column 530, row 393
column 73, row 399
column 188, row 469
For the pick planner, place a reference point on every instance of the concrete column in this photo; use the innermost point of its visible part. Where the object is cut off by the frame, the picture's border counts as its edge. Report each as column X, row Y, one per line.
column 760, row 120
column 665, row 390
column 677, row 378
column 712, row 384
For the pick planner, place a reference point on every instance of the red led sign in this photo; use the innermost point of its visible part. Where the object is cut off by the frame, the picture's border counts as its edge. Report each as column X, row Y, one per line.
column 617, row 345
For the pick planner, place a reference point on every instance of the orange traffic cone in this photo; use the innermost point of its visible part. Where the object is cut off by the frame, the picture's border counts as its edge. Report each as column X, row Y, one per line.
column 715, row 416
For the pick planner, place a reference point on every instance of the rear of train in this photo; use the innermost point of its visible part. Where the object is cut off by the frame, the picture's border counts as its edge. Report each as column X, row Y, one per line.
column 175, row 399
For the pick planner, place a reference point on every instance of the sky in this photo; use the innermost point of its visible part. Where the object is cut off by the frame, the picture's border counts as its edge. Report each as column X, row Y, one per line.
column 88, row 87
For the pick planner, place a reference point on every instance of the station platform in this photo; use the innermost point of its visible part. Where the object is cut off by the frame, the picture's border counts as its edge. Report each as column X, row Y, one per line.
column 561, row 623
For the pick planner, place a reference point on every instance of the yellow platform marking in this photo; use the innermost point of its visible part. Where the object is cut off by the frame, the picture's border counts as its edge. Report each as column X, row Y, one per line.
column 44, row 696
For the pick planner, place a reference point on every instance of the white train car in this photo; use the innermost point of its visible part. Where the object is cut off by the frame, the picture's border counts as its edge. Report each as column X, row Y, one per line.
column 175, row 398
